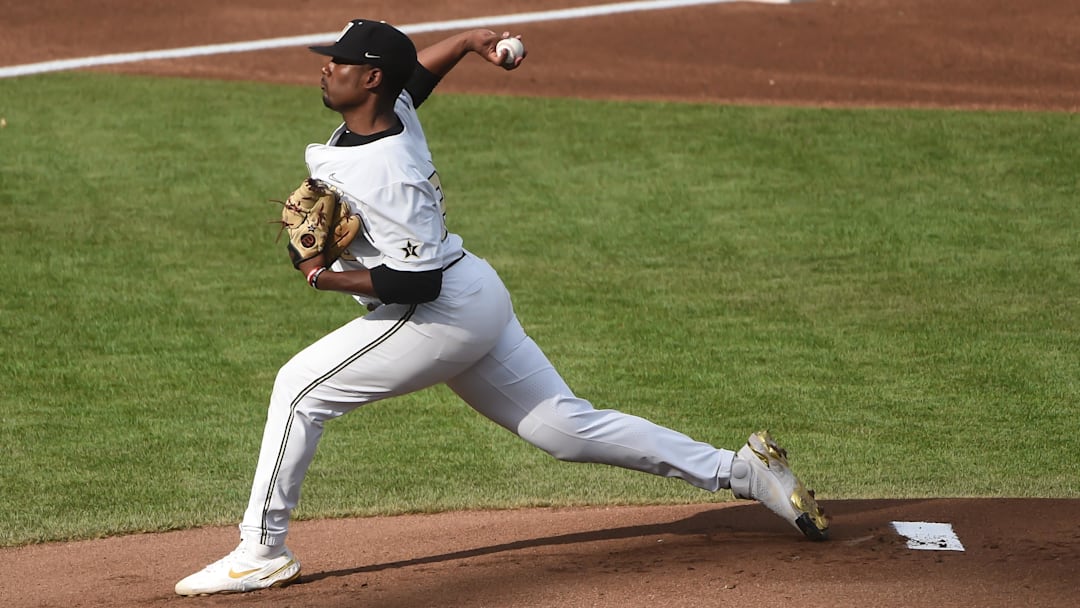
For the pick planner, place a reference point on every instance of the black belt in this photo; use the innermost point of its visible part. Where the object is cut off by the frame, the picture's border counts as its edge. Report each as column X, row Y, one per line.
column 451, row 264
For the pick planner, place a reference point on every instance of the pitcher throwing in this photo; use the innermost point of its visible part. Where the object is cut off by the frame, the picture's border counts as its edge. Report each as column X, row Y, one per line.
column 438, row 314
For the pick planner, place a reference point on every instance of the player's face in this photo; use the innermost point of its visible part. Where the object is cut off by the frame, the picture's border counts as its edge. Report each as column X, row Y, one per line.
column 343, row 85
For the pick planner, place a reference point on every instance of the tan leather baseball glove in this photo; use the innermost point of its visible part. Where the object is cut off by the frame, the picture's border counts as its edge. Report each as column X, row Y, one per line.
column 317, row 222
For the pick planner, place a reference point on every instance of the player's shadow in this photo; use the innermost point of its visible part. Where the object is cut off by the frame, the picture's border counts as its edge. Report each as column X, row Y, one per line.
column 746, row 523
column 698, row 524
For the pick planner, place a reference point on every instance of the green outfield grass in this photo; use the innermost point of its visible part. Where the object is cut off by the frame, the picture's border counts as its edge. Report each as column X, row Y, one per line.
column 894, row 293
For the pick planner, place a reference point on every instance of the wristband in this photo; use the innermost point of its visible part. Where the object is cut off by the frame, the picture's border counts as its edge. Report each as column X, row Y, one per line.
column 313, row 276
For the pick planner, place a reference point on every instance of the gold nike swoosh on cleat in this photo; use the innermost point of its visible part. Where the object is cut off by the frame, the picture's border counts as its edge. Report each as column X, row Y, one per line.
column 235, row 574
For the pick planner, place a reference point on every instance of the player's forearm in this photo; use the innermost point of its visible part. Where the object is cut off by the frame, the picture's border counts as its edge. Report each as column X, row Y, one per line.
column 442, row 56
column 353, row 282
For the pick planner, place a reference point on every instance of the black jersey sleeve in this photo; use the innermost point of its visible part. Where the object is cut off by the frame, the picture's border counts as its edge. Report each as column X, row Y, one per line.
column 421, row 84
column 401, row 287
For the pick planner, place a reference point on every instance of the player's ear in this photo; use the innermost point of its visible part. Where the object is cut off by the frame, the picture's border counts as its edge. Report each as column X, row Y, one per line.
column 373, row 78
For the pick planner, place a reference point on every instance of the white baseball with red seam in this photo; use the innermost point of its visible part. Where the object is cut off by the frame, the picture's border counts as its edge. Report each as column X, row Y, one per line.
column 513, row 47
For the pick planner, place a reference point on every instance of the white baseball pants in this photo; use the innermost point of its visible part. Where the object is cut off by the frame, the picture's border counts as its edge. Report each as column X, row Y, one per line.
column 469, row 339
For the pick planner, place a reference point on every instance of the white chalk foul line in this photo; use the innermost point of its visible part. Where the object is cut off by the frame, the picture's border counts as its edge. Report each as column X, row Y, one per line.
column 312, row 39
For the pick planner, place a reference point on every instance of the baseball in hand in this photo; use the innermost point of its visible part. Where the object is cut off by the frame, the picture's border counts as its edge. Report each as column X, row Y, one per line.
column 513, row 48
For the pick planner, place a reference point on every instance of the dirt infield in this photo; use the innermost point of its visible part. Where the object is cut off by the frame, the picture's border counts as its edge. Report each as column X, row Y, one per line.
column 972, row 54
column 1018, row 552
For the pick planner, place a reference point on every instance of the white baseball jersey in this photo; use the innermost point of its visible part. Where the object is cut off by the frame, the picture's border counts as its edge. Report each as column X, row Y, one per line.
column 392, row 184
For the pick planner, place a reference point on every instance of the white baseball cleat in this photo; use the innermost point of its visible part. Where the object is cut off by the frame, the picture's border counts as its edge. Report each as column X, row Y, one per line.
column 241, row 571
column 760, row 472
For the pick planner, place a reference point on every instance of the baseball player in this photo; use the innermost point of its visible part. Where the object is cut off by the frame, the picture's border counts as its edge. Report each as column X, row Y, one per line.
column 438, row 314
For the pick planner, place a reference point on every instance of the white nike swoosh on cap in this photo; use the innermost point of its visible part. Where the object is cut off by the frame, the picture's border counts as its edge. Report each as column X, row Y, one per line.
column 370, row 56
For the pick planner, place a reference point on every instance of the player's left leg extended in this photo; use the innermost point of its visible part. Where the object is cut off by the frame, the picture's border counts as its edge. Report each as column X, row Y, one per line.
column 518, row 388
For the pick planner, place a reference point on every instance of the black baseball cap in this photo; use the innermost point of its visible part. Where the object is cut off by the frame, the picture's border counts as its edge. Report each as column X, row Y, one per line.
column 374, row 43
